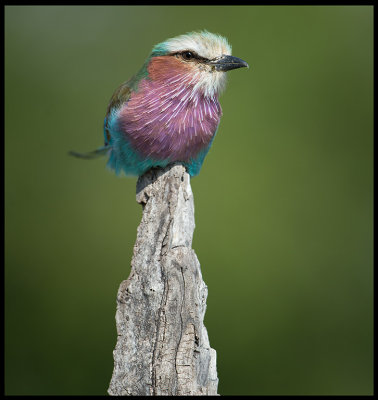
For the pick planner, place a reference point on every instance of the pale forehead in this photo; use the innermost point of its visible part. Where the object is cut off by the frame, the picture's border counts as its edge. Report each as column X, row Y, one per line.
column 205, row 44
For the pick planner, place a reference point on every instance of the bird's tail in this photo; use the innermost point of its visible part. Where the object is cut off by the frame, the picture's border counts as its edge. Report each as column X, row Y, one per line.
column 101, row 151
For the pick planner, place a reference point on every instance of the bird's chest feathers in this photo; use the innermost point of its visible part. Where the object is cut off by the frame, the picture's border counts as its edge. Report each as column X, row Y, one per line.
column 169, row 116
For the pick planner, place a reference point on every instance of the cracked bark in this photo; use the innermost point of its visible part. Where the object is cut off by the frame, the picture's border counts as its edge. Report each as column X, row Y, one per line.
column 162, row 346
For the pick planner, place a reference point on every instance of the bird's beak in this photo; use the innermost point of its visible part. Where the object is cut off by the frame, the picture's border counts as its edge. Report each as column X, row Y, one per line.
column 226, row 63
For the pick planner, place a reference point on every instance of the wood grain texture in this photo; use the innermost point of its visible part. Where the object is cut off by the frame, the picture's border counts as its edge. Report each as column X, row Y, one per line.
column 162, row 346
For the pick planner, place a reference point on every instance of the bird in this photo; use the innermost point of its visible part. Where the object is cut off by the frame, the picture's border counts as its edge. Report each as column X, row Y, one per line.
column 169, row 110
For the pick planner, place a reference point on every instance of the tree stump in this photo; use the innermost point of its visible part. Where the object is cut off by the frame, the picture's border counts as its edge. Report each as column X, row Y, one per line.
column 162, row 346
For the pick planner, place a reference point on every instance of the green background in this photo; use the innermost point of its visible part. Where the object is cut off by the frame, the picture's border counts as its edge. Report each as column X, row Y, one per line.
column 284, row 201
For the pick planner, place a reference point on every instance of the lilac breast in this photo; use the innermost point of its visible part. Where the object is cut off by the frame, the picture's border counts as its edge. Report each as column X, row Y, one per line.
column 169, row 121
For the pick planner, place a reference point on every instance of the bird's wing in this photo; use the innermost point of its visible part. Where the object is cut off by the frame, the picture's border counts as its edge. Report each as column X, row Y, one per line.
column 120, row 96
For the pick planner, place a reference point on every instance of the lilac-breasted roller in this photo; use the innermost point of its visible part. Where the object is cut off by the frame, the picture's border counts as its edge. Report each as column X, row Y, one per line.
column 169, row 111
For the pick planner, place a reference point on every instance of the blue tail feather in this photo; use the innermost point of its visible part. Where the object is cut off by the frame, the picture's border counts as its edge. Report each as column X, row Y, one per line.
column 101, row 151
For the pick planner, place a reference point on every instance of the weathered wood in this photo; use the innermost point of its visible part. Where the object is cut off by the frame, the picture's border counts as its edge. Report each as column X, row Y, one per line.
column 163, row 346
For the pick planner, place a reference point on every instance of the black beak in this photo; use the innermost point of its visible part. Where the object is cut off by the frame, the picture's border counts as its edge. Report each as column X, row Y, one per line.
column 226, row 63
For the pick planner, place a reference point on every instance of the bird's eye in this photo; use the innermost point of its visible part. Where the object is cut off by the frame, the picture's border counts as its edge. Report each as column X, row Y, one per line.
column 187, row 55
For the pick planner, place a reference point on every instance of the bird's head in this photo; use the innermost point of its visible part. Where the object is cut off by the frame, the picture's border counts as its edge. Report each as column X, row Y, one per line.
column 197, row 59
